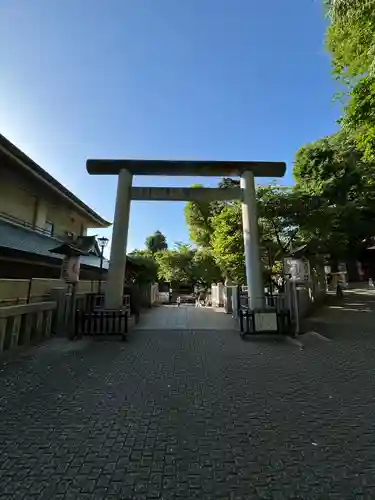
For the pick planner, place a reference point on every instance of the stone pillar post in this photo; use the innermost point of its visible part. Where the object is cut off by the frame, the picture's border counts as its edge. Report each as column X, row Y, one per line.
column 116, row 272
column 251, row 242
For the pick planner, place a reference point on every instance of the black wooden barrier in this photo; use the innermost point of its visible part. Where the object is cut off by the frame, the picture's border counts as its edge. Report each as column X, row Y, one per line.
column 101, row 322
column 248, row 325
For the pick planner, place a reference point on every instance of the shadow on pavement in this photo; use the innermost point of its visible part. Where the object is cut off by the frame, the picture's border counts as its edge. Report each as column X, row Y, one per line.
column 352, row 315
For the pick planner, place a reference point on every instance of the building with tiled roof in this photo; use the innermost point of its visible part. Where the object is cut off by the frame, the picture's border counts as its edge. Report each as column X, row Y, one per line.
column 37, row 214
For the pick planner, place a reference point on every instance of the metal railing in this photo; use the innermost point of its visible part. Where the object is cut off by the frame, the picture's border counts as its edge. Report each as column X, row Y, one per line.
column 28, row 225
column 271, row 321
column 272, row 317
column 23, row 223
column 274, row 301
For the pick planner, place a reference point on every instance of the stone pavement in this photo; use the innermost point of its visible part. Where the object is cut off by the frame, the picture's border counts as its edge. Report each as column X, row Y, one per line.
column 352, row 319
column 179, row 414
column 187, row 317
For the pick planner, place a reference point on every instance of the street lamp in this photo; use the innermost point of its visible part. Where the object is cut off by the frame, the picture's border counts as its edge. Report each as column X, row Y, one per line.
column 102, row 242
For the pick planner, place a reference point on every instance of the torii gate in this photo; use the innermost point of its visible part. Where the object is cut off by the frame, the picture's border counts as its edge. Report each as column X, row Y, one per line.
column 126, row 169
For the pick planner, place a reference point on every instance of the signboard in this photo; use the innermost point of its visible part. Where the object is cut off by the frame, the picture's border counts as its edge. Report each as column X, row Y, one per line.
column 299, row 269
column 70, row 269
column 163, row 297
column 265, row 322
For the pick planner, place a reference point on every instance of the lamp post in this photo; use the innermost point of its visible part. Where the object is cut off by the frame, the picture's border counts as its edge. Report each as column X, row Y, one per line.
column 102, row 242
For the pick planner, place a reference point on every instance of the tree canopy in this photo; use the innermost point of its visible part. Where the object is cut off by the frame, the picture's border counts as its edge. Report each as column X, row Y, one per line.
column 197, row 218
column 180, row 264
column 359, row 117
column 227, row 242
column 350, row 37
column 185, row 264
column 147, row 267
column 156, row 242
column 338, row 170
column 335, row 171
column 279, row 209
column 350, row 40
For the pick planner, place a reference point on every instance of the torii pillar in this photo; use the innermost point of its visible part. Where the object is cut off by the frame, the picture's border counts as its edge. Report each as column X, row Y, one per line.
column 254, row 279
column 114, row 288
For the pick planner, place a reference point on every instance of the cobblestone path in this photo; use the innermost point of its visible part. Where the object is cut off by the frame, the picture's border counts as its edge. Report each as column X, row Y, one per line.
column 181, row 414
column 187, row 317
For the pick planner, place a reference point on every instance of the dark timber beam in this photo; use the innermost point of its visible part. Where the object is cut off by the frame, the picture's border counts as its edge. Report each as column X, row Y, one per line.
column 186, row 168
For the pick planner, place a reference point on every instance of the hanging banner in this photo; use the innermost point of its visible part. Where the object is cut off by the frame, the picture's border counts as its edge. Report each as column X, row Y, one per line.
column 70, row 269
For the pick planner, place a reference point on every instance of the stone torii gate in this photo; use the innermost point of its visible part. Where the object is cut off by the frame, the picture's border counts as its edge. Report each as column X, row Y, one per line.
column 126, row 169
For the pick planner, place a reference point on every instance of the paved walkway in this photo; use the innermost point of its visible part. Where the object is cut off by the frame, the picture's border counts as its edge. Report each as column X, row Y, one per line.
column 352, row 319
column 179, row 414
column 187, row 317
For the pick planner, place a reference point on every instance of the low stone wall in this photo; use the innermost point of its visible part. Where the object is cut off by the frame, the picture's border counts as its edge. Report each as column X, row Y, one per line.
column 14, row 291
column 21, row 325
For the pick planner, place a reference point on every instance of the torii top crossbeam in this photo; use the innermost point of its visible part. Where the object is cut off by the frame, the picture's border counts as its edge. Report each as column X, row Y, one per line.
column 186, row 168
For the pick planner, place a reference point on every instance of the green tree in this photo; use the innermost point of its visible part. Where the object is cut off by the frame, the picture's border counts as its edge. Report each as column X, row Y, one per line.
column 359, row 117
column 279, row 211
column 185, row 264
column 156, row 242
column 147, row 266
column 198, row 215
column 197, row 218
column 338, row 170
column 331, row 167
column 333, row 170
column 205, row 271
column 227, row 242
column 175, row 265
column 228, row 182
column 350, row 37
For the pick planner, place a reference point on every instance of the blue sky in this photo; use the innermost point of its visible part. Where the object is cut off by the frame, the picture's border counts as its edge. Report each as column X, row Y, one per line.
column 173, row 79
